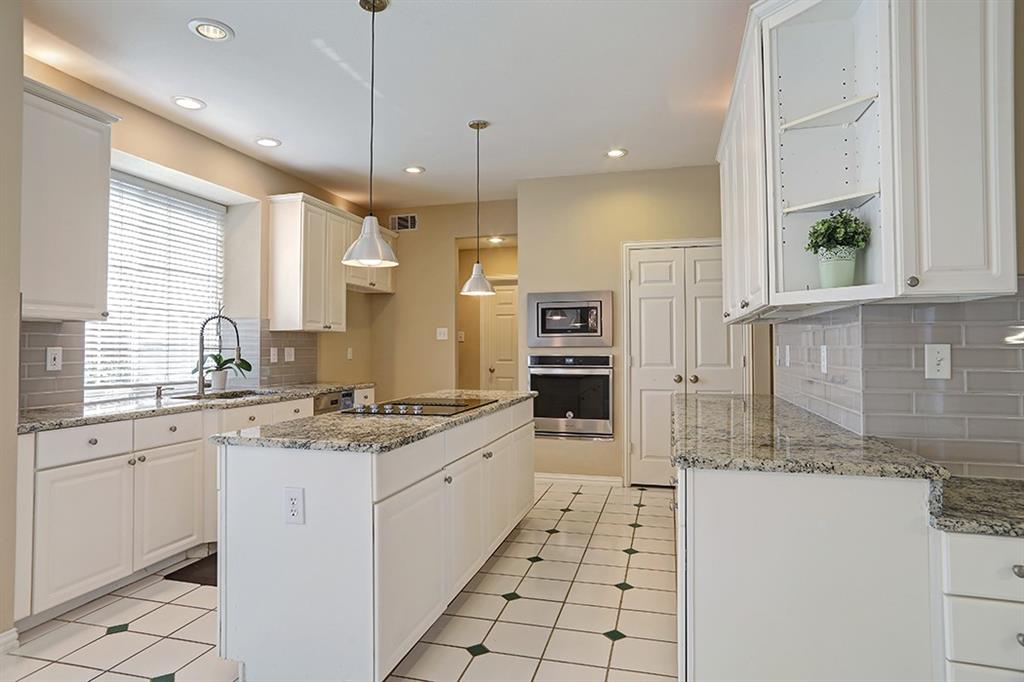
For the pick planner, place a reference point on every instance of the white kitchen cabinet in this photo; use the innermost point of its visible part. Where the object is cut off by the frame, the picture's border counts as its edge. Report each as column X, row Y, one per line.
column 235, row 418
column 499, row 486
column 65, row 191
column 83, row 528
column 292, row 409
column 522, row 469
column 308, row 237
column 25, row 495
column 371, row 280
column 168, row 502
column 464, row 519
column 898, row 111
column 410, row 573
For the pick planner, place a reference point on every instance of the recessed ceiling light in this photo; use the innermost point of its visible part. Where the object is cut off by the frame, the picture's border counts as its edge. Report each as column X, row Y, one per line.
column 415, row 170
column 268, row 142
column 211, row 29
column 190, row 103
column 616, row 153
column 495, row 240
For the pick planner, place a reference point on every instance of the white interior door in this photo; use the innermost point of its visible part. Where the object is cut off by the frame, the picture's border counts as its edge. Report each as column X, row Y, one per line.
column 657, row 299
column 499, row 360
column 714, row 352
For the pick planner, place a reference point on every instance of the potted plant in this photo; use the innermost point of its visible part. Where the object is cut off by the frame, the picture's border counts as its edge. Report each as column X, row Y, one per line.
column 836, row 241
column 218, row 372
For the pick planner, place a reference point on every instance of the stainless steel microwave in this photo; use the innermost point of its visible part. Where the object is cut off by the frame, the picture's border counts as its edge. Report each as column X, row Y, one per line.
column 570, row 318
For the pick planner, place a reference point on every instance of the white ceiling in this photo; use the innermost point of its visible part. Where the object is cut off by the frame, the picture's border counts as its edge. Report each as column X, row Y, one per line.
column 561, row 81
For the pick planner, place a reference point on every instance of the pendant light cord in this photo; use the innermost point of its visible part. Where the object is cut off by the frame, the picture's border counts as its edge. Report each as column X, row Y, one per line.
column 477, row 195
column 373, row 55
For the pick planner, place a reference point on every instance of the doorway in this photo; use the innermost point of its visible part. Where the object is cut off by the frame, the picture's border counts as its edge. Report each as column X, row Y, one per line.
column 487, row 326
column 676, row 342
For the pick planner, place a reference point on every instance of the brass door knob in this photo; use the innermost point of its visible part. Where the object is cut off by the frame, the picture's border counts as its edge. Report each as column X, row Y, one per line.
column 678, row 378
column 694, row 378
column 491, row 370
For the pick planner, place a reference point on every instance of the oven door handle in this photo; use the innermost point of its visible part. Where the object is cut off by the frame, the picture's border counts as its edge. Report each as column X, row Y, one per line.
column 582, row 371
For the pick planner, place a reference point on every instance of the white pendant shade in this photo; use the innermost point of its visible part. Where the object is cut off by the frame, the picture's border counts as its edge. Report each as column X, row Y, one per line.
column 477, row 284
column 370, row 250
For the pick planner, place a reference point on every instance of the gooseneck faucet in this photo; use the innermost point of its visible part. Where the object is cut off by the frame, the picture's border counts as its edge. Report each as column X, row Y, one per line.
column 202, row 349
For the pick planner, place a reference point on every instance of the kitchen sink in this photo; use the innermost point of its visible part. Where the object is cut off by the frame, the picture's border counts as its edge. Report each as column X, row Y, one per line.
column 218, row 395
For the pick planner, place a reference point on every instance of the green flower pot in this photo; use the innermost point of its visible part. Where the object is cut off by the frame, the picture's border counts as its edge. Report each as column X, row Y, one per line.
column 836, row 266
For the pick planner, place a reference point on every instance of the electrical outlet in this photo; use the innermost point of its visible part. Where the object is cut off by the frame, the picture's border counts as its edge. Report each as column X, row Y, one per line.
column 348, row 354
column 461, row 336
column 787, row 356
column 295, row 506
column 442, row 333
column 289, row 354
column 54, row 358
column 273, row 354
column 937, row 361
column 824, row 359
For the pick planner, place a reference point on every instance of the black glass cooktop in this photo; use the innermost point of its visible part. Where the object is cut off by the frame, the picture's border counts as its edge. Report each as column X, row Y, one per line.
column 429, row 407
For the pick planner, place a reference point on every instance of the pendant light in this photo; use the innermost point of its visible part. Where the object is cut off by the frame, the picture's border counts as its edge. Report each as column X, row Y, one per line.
column 477, row 284
column 370, row 250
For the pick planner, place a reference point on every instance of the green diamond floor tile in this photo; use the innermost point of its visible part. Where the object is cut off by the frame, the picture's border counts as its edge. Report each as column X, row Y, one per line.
column 117, row 628
column 478, row 650
column 624, row 586
column 169, row 677
column 551, row 531
column 630, row 550
column 636, row 525
column 511, row 596
column 533, row 559
column 614, row 635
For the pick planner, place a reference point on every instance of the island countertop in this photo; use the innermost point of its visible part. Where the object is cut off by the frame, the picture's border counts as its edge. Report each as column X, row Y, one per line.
column 983, row 506
column 764, row 433
column 368, row 433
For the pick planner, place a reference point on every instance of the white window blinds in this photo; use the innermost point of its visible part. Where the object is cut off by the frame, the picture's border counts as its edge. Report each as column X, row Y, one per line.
column 165, row 275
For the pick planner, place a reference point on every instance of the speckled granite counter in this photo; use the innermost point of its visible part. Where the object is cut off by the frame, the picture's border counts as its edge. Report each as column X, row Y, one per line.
column 763, row 433
column 367, row 433
column 985, row 506
column 65, row 416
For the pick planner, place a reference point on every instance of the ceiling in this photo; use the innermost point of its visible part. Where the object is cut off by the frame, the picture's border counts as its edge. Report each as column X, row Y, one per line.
column 562, row 81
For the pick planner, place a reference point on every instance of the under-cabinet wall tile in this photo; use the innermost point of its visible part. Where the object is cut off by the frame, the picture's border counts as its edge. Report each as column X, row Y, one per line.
column 967, row 404
column 995, row 429
column 911, row 335
column 1010, row 382
column 913, row 426
column 974, row 450
column 994, row 470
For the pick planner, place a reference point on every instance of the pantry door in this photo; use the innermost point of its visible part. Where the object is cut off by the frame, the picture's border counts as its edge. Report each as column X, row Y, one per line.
column 714, row 351
column 499, row 350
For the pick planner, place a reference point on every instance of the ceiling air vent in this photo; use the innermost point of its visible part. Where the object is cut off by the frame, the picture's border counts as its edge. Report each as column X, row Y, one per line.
column 400, row 223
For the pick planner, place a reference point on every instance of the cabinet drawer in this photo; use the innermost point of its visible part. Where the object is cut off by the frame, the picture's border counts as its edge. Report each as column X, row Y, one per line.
column 984, row 632
column 82, row 443
column 154, row 432
column 293, row 409
column 397, row 469
column 476, row 434
column 983, row 566
column 244, row 417
column 963, row 672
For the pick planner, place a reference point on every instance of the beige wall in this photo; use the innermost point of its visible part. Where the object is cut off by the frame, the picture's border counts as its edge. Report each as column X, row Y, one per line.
column 143, row 134
column 332, row 350
column 406, row 357
column 571, row 232
column 496, row 262
column 10, row 285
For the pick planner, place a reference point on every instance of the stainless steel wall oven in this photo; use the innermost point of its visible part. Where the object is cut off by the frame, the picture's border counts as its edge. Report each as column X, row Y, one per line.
column 570, row 318
column 574, row 395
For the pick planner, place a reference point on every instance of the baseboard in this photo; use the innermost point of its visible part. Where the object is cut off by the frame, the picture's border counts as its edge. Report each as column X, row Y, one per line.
column 8, row 641
column 556, row 478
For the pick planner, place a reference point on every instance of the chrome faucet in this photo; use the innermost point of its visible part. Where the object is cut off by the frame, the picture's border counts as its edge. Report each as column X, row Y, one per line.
column 202, row 349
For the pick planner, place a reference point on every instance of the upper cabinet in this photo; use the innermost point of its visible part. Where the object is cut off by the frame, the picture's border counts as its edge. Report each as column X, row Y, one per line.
column 371, row 280
column 900, row 111
column 65, row 199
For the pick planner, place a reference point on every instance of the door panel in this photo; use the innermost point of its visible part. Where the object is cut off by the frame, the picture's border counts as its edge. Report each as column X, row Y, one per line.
column 500, row 487
column 168, row 501
column 337, row 243
column 714, row 352
column 464, row 520
column 499, row 351
column 314, row 238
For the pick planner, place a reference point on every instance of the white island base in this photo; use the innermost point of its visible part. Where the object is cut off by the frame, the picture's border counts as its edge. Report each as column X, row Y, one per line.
column 387, row 541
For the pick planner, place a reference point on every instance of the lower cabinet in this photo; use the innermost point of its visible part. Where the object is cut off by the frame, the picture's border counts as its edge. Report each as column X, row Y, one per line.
column 168, row 501
column 464, row 514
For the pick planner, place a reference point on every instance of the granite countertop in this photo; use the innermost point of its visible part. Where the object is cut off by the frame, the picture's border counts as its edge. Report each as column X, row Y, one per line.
column 65, row 416
column 763, row 433
column 984, row 506
column 367, row 433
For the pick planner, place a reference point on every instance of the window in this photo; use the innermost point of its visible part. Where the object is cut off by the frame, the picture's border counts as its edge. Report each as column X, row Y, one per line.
column 165, row 275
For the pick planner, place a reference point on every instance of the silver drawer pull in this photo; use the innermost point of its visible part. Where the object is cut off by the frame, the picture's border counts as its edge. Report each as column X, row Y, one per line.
column 1020, row 638
column 488, row 454
column 172, row 428
column 93, row 441
column 252, row 417
column 448, row 479
column 1018, row 570
column 142, row 458
column 131, row 462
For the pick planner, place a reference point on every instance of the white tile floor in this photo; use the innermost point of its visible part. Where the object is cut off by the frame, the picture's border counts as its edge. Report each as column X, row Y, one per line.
column 582, row 591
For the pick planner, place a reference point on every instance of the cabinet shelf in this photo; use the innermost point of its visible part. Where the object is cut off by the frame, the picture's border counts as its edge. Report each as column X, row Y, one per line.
column 849, row 201
column 840, row 114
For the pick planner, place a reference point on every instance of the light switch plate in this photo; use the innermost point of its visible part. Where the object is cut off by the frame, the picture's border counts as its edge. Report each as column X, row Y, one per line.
column 938, row 361
column 787, row 356
column 442, row 333
column 273, row 354
column 289, row 354
column 778, row 356
column 54, row 358
column 461, row 336
column 824, row 359
column 348, row 354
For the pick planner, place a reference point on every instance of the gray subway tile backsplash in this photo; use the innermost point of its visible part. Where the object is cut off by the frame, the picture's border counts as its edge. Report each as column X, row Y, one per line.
column 973, row 422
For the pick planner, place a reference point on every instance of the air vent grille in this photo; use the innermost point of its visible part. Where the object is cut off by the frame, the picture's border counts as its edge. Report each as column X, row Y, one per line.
column 401, row 223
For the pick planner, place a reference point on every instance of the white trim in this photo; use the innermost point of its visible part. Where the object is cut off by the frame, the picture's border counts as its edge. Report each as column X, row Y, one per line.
column 8, row 641
column 43, row 91
column 542, row 477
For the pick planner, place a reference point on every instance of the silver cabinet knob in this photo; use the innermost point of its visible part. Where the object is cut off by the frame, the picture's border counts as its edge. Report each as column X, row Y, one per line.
column 448, row 479
column 373, row 284
column 131, row 462
column 678, row 378
column 913, row 281
column 296, row 410
column 252, row 417
column 172, row 428
column 93, row 441
column 726, row 315
column 488, row 454
column 142, row 458
column 104, row 314
column 744, row 304
column 1018, row 570
column 694, row 378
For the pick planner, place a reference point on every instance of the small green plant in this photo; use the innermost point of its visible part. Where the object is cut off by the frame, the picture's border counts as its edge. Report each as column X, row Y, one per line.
column 841, row 228
column 239, row 366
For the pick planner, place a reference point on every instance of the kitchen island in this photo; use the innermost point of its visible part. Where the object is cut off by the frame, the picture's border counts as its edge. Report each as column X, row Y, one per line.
column 343, row 537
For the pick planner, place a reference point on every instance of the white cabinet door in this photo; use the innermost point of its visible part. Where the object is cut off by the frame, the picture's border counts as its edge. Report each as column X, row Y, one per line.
column 168, row 501
column 522, row 470
column 335, row 295
column 499, row 488
column 355, row 276
column 954, row 117
column 83, row 529
column 314, row 276
column 64, row 213
column 409, row 567
column 464, row 520
column 382, row 280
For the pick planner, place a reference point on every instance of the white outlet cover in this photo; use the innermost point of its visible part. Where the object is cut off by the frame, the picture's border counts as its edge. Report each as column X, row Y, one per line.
column 348, row 354
column 295, row 506
column 824, row 359
column 289, row 354
column 442, row 333
column 54, row 358
column 938, row 361
column 273, row 354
